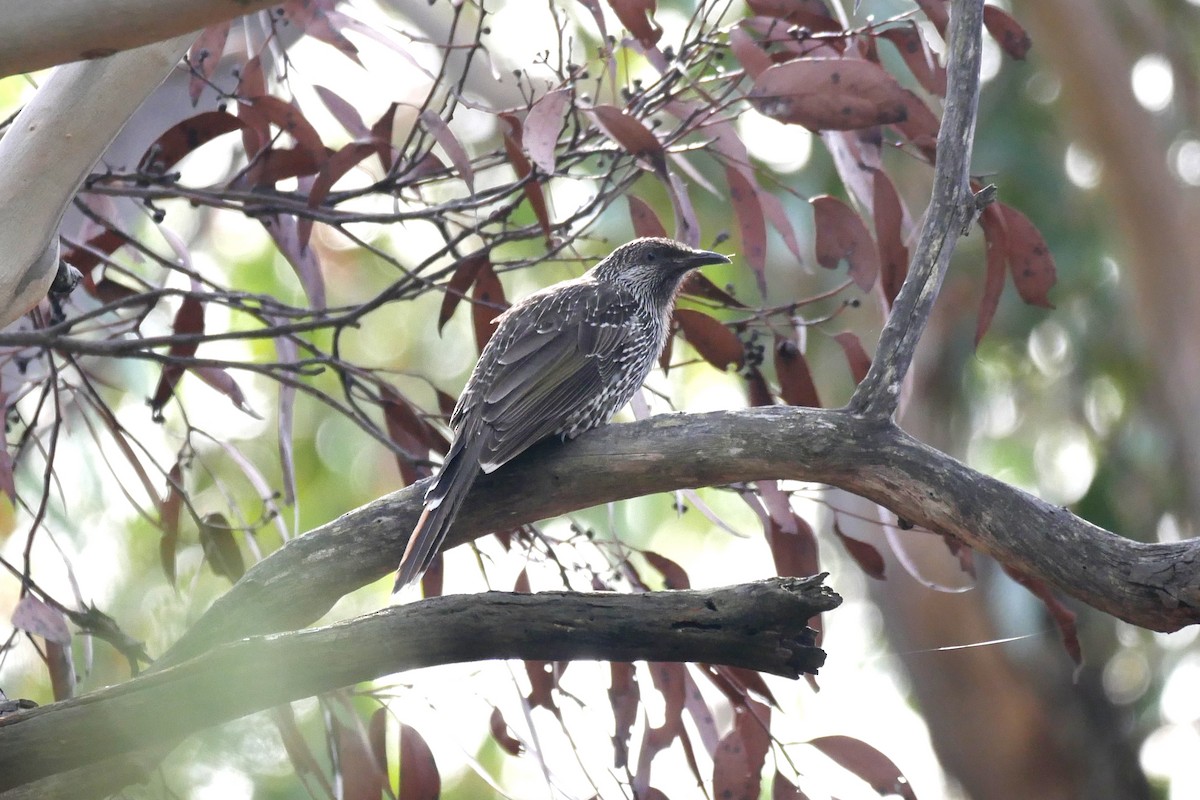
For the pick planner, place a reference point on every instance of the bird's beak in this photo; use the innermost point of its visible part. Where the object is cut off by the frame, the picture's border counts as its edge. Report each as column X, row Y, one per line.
column 702, row 258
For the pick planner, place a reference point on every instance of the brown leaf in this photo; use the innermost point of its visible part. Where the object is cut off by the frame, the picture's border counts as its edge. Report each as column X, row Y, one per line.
column 344, row 112
column 753, row 227
column 867, row 763
column 674, row 576
column 258, row 111
column 419, row 777
column 624, row 697
column 790, row 538
column 645, row 221
column 284, row 230
column 856, row 356
column 920, row 127
column 889, row 218
column 542, row 681
column 1007, row 32
column 638, row 18
column 830, row 94
column 715, row 343
column 841, row 234
column 34, row 616
column 937, row 13
column 411, row 433
column 168, row 520
column 320, row 21
column 333, row 170
column 513, row 137
column 543, row 124
column 503, row 734
column 632, row 135
column 220, row 379
column 812, row 14
column 697, row 284
column 464, row 276
column 278, row 164
column 487, row 303
column 1063, row 617
column 442, row 134
column 864, row 553
column 783, row 789
column 381, row 135
column 1029, row 258
column 189, row 320
column 184, row 137
column 760, row 392
column 746, row 50
column 795, row 379
column 204, row 55
column 361, row 775
column 995, row 237
column 921, row 60
column 742, row 681
column 742, row 753
column 220, row 548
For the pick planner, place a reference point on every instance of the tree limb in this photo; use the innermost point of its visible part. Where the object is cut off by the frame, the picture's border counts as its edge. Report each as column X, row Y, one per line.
column 952, row 208
column 760, row 626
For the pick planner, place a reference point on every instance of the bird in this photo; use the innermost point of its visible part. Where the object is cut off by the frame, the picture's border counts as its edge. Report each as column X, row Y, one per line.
column 561, row 361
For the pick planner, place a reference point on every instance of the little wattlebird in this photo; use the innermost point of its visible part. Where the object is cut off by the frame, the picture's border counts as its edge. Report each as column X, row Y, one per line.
column 562, row 361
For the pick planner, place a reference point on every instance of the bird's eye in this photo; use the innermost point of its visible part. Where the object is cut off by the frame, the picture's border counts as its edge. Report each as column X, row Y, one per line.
column 650, row 256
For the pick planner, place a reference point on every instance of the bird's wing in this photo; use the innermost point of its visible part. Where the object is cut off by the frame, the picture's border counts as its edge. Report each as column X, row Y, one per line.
column 555, row 359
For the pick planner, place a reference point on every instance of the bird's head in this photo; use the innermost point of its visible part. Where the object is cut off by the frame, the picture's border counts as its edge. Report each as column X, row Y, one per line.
column 654, row 265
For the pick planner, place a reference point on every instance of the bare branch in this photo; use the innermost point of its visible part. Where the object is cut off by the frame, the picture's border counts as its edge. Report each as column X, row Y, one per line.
column 759, row 626
column 951, row 210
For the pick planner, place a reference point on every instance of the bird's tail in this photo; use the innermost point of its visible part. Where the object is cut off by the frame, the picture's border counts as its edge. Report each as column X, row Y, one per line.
column 442, row 502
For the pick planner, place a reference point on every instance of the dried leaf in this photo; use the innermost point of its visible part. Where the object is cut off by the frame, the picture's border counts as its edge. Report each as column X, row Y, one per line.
column 344, row 112
column 638, row 18
column 284, row 229
column 204, row 55
column 220, row 548
column 184, row 137
column 920, row 127
column 189, row 320
column 812, row 14
column 783, row 789
column 513, row 137
column 320, row 21
column 862, row 552
column 742, row 753
column 841, row 234
column 921, row 60
column 381, row 135
column 1063, row 617
column 867, row 763
column 715, row 343
column 674, row 575
column 34, row 616
column 362, row 777
column 759, row 391
column 790, row 538
column 543, row 124
column 1007, row 32
column 411, row 433
column 7, row 484
column 645, row 221
column 795, row 379
column 464, row 276
column 259, row 111
column 503, row 735
column 995, row 237
column 624, row 696
column 856, row 356
column 889, row 220
column 746, row 50
column 442, row 134
column 937, row 13
column 419, row 777
column 632, row 135
column 830, row 94
column 278, row 164
column 1029, row 258
column 487, row 303
column 220, row 379
column 697, row 284
column 687, row 226
column 168, row 520
column 333, row 170
column 751, row 224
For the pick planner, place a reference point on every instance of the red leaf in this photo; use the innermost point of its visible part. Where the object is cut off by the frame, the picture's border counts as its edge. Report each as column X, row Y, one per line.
column 624, row 697
column 204, row 55
column 920, row 127
column 687, row 226
column 674, row 575
column 1063, row 617
column 738, row 764
column 362, row 777
column 921, row 61
column 220, row 379
column 715, row 343
column 278, row 164
column 284, row 230
column 503, row 734
column 257, row 111
column 441, row 132
column 746, row 50
column 1007, row 32
column 830, row 94
column 812, row 14
column 937, row 13
column 632, row 135
column 638, row 18
column 34, row 616
column 334, row 168
column 189, row 319
column 645, row 221
column 791, row 539
column 841, row 234
column 316, row 20
column 795, row 379
column 344, row 112
column 862, row 552
column 738, row 682
column 57, row 658
column 381, row 135
column 7, row 484
column 889, row 219
column 698, row 285
column 1029, row 258
column 220, row 548
column 995, row 236
column 543, row 124
column 487, row 303
column 860, row 362
column 533, row 190
column 464, row 275
column 542, row 681
column 753, row 227
column 783, row 789
column 184, row 137
column 168, row 520
column 760, row 393
column 412, row 434
column 419, row 777
column 867, row 763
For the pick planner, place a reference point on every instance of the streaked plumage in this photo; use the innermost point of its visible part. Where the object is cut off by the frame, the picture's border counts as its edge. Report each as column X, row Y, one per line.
column 562, row 361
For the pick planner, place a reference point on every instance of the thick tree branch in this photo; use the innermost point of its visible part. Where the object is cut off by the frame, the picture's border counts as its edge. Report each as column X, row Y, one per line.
column 952, row 208
column 760, row 626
